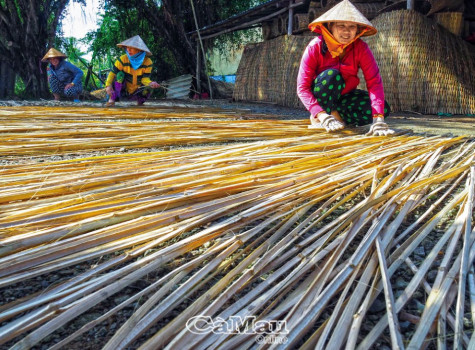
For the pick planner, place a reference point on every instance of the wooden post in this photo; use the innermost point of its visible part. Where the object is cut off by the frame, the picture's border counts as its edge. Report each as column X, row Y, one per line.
column 291, row 18
column 198, row 66
column 202, row 49
column 410, row 4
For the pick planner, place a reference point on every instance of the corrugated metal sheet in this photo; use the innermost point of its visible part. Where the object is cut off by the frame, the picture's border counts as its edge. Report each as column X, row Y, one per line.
column 179, row 87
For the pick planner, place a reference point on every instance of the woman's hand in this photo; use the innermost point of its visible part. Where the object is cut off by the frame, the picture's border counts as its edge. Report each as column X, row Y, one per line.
column 379, row 128
column 69, row 86
column 329, row 122
column 154, row 85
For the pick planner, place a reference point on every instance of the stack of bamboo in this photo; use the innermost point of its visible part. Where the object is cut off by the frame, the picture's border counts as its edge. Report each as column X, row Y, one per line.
column 452, row 21
column 268, row 71
column 424, row 67
column 40, row 131
column 344, row 241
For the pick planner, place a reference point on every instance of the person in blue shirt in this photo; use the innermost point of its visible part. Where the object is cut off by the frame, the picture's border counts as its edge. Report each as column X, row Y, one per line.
column 64, row 78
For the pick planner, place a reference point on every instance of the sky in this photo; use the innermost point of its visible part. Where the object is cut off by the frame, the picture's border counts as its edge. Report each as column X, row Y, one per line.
column 79, row 20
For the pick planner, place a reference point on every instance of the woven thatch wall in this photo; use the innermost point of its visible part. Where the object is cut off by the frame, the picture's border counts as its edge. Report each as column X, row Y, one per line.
column 268, row 71
column 425, row 68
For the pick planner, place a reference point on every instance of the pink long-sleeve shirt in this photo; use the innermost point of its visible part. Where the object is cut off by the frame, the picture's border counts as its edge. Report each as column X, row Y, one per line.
column 358, row 55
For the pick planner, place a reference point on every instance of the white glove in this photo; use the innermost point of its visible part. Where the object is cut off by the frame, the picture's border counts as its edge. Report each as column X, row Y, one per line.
column 330, row 123
column 379, row 128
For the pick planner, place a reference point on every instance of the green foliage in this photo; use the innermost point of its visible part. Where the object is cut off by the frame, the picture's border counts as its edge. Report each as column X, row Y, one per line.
column 118, row 24
column 123, row 19
column 19, row 87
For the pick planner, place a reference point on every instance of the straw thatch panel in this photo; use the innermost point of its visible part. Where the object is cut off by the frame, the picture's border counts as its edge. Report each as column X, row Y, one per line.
column 271, row 29
column 422, row 6
column 370, row 10
column 452, row 21
column 266, row 30
column 314, row 13
column 446, row 5
column 268, row 71
column 425, row 68
column 300, row 22
column 282, row 24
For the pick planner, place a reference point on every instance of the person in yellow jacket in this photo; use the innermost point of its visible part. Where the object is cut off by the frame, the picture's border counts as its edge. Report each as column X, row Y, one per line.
column 130, row 75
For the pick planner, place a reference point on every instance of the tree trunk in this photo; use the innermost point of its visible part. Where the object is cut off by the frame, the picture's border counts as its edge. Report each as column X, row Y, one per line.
column 7, row 80
column 27, row 29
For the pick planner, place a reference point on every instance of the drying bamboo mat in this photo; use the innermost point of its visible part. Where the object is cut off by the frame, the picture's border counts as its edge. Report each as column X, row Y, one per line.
column 345, row 240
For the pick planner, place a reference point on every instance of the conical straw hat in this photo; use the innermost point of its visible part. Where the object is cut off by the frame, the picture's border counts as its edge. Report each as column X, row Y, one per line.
column 345, row 11
column 53, row 53
column 135, row 42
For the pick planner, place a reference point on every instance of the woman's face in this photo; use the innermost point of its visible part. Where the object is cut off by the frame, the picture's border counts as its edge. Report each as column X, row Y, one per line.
column 132, row 51
column 344, row 32
column 54, row 61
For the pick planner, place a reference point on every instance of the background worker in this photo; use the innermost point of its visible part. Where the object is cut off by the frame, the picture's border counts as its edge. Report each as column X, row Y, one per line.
column 328, row 73
column 64, row 78
column 130, row 76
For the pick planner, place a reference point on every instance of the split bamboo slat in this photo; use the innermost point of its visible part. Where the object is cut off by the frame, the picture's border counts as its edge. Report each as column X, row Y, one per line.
column 308, row 229
column 36, row 131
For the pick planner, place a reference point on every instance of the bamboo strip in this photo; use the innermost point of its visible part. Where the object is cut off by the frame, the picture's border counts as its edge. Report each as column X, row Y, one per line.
column 465, row 263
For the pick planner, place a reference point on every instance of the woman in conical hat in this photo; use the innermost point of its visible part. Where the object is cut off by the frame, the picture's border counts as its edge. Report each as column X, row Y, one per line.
column 328, row 74
column 64, row 78
column 130, row 75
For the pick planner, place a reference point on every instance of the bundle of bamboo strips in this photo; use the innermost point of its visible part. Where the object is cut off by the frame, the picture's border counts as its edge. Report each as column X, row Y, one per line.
column 310, row 230
column 39, row 131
